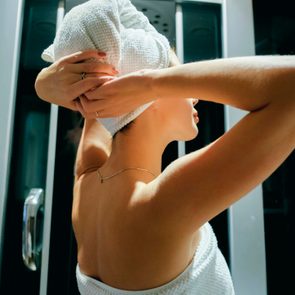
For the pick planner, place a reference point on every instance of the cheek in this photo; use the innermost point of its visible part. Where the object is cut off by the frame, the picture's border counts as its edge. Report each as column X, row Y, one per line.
column 182, row 112
column 187, row 117
column 189, row 111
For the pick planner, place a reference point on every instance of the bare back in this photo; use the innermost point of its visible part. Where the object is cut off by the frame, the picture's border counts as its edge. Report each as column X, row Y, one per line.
column 119, row 243
column 133, row 235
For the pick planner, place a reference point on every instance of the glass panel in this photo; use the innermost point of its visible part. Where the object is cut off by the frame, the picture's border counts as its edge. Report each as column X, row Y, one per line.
column 275, row 34
column 202, row 41
column 30, row 144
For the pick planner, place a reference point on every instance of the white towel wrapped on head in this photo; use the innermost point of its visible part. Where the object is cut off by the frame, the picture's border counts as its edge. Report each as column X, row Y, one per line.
column 119, row 29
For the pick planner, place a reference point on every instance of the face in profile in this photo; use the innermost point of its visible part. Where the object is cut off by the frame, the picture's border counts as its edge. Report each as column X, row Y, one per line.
column 179, row 118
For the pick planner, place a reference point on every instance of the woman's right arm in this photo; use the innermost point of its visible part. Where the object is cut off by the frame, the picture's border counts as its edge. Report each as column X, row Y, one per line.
column 248, row 83
column 198, row 186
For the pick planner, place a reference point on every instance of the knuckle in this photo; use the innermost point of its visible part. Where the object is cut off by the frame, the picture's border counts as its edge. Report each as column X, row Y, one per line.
column 89, row 96
column 61, row 62
column 91, row 67
column 76, row 56
column 65, row 66
column 62, row 67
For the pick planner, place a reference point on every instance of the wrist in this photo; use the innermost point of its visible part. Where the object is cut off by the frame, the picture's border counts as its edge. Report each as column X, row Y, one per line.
column 152, row 83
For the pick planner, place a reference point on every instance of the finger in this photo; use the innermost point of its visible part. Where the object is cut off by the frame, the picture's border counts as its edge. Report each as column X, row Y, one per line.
column 94, row 107
column 92, row 115
column 100, row 91
column 72, row 78
column 85, row 85
column 87, row 105
column 79, row 107
column 83, row 55
column 93, row 67
column 83, row 113
column 94, row 75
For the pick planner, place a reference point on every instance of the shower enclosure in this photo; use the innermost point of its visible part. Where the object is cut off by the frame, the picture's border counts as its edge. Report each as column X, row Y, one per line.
column 37, row 245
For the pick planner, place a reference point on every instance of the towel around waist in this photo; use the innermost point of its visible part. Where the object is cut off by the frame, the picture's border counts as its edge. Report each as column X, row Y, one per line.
column 207, row 274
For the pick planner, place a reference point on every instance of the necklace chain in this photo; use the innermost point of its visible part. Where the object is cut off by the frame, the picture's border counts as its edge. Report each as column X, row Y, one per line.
column 107, row 177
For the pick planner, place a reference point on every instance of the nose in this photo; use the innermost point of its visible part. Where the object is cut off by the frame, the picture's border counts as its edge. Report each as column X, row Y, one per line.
column 195, row 101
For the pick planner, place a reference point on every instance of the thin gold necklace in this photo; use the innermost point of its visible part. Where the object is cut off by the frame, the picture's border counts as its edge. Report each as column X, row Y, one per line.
column 107, row 177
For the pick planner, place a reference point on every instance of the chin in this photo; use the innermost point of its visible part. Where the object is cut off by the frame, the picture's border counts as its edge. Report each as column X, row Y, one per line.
column 195, row 135
column 192, row 135
column 195, row 131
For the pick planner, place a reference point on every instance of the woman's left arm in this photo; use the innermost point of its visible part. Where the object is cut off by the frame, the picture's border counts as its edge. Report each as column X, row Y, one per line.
column 61, row 83
column 94, row 148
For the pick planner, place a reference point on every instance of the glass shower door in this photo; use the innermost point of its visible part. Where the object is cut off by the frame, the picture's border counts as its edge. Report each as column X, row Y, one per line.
column 26, row 177
column 246, row 220
column 275, row 34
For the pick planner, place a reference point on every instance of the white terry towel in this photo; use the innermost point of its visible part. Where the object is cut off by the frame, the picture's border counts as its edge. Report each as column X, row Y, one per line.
column 115, row 27
column 207, row 274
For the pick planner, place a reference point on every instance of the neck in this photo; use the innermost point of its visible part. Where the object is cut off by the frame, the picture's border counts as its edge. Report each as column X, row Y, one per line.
column 139, row 150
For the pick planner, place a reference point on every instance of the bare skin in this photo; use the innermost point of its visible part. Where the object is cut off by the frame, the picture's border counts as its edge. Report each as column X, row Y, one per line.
column 135, row 232
column 118, row 243
column 61, row 84
column 126, row 235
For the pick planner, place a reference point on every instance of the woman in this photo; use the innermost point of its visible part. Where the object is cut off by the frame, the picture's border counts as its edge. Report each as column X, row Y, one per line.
column 146, row 229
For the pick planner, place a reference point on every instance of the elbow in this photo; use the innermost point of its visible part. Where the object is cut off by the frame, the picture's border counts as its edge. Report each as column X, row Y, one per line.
column 282, row 85
column 38, row 86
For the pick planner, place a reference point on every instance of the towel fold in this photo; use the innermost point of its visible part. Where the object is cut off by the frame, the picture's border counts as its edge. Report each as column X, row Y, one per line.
column 118, row 28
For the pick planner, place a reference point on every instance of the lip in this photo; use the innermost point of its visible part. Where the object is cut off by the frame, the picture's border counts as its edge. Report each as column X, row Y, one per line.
column 195, row 114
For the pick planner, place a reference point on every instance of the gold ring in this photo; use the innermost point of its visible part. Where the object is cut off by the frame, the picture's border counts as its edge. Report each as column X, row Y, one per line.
column 83, row 75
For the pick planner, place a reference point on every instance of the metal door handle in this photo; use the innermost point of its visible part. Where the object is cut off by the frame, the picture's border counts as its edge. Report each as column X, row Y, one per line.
column 32, row 228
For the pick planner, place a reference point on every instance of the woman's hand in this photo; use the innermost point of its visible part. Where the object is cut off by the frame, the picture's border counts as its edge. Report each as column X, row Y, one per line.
column 68, row 78
column 119, row 95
